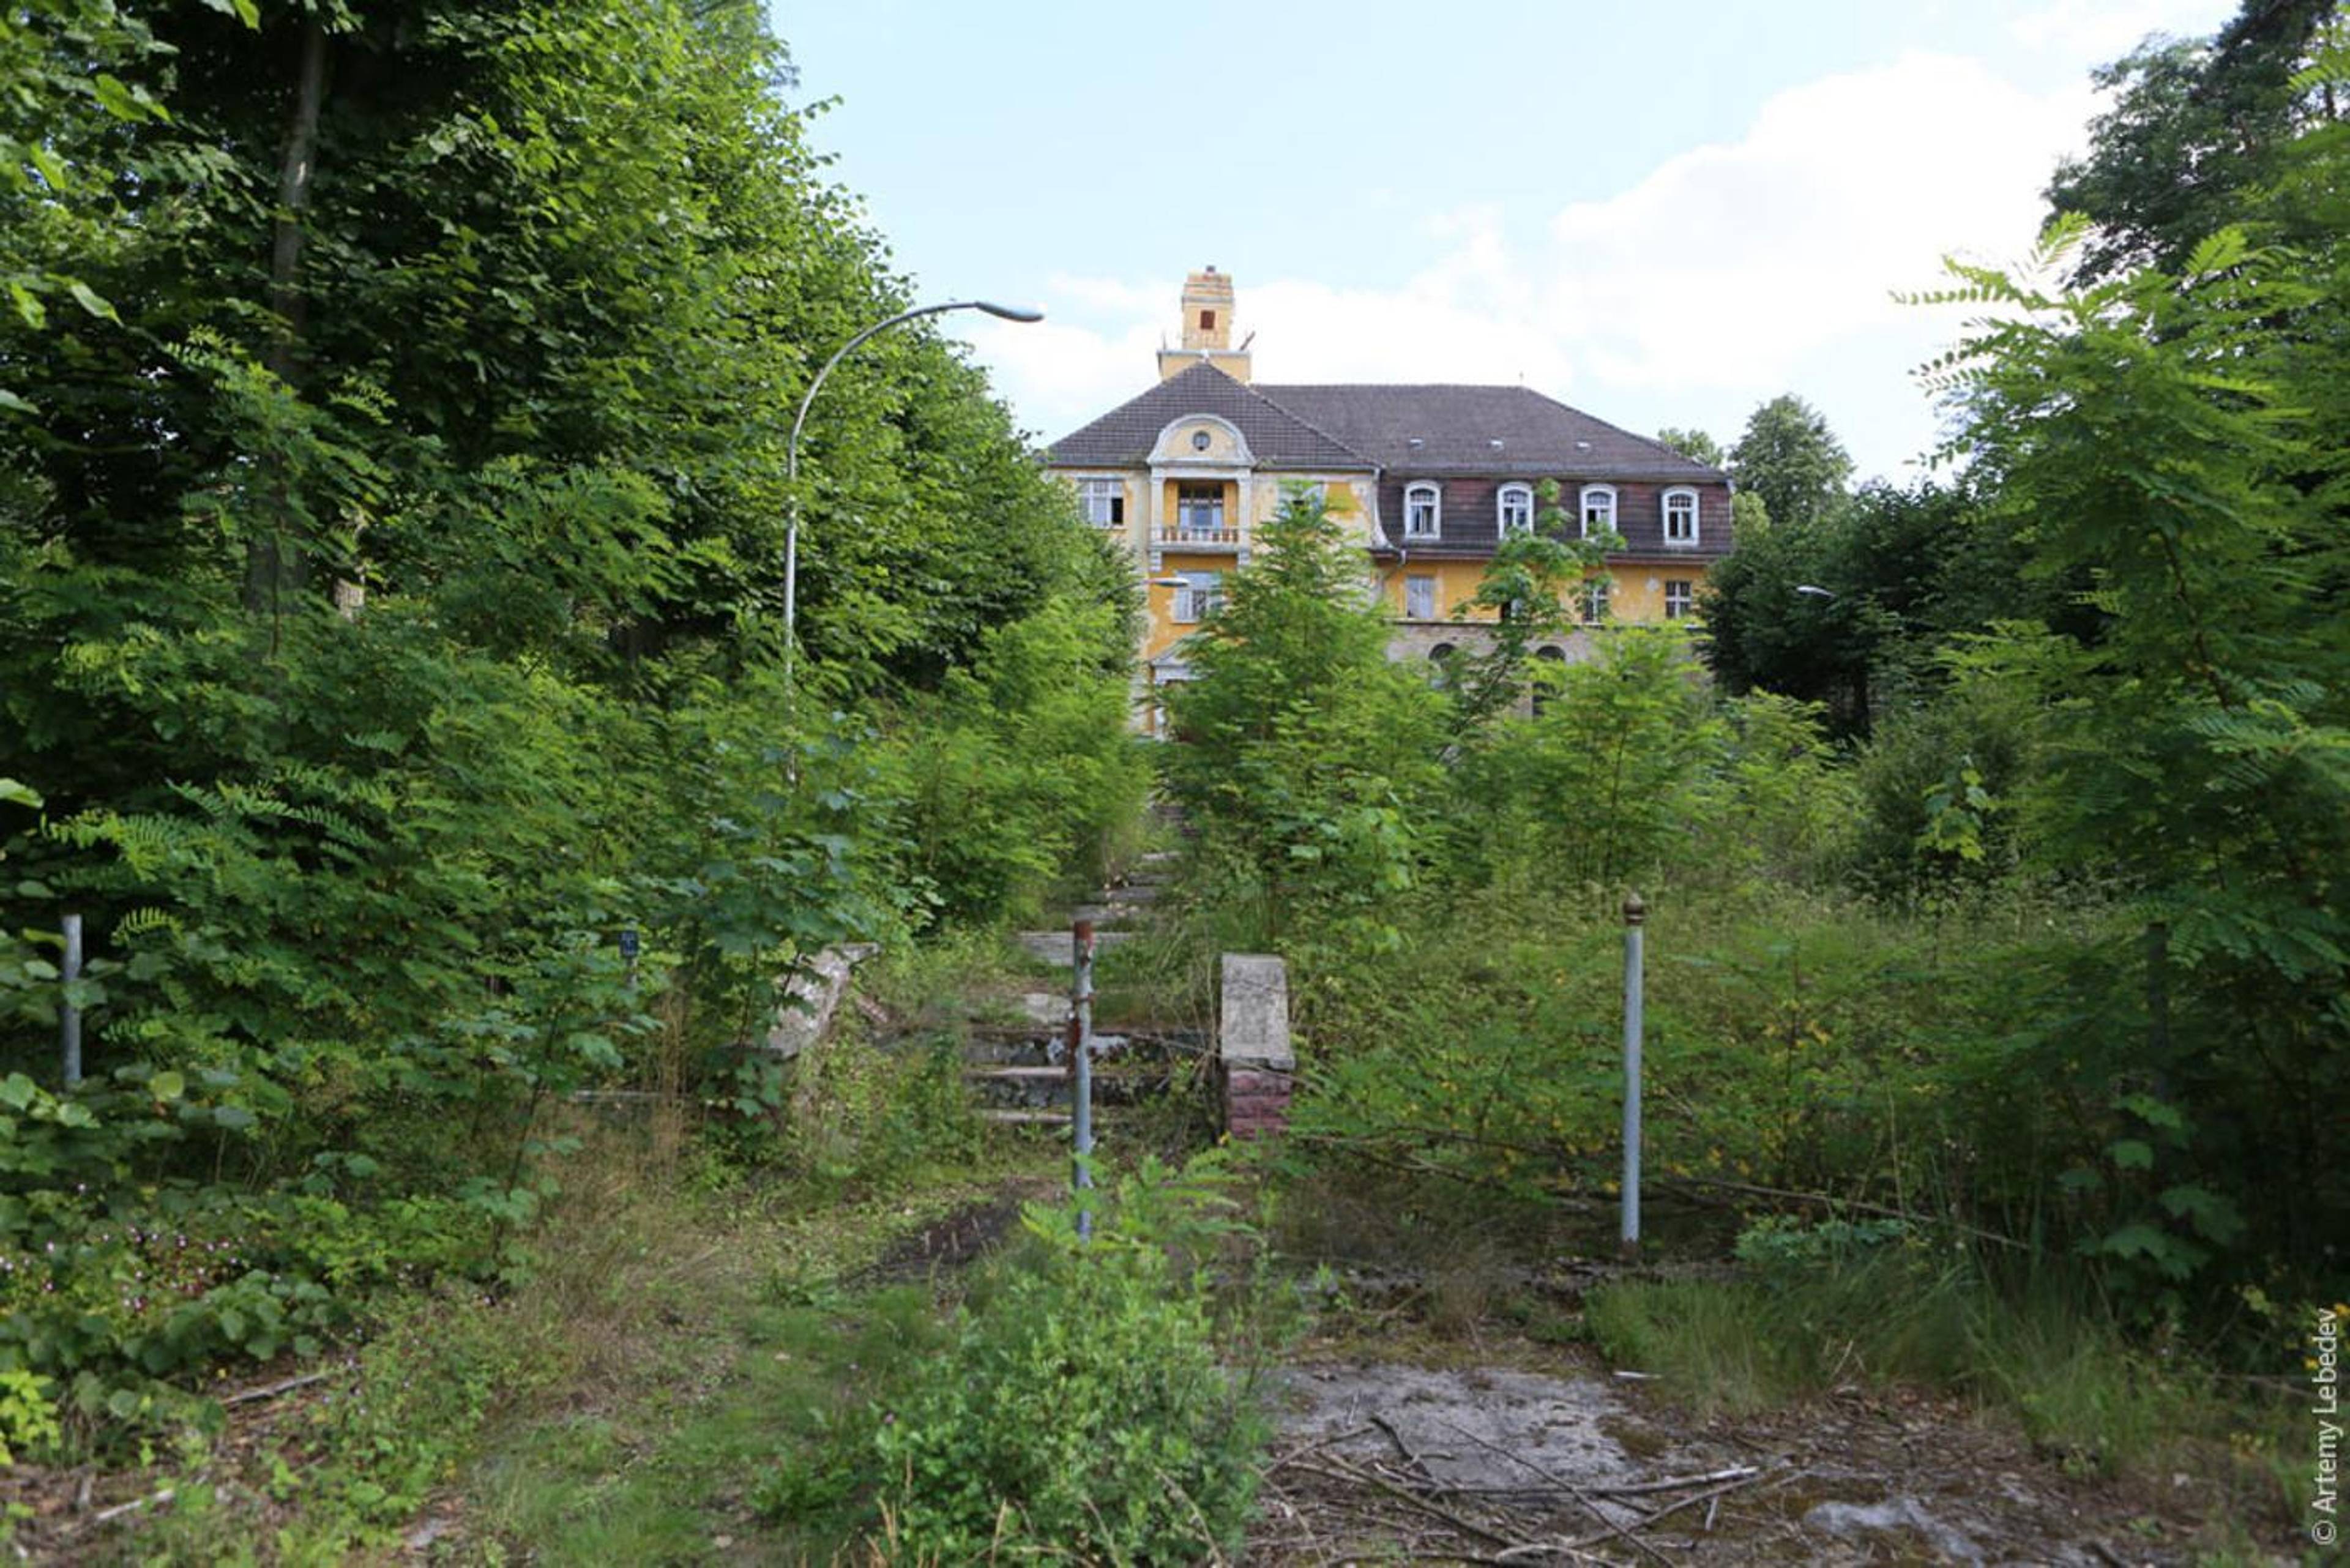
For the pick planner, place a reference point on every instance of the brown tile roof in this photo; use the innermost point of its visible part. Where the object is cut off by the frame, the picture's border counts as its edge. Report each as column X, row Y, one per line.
column 1457, row 426
column 1280, row 438
column 1353, row 426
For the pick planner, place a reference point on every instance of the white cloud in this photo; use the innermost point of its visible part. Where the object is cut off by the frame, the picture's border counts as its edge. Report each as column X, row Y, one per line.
column 1732, row 273
column 2095, row 31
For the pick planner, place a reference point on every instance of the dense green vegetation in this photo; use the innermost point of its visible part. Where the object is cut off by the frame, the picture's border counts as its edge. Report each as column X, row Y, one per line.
column 392, row 485
column 393, row 399
column 1995, row 885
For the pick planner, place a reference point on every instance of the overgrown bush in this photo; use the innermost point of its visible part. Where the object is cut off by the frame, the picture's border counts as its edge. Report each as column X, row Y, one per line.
column 1085, row 1410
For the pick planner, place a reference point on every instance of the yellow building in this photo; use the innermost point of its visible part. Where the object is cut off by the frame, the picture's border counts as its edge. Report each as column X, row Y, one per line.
column 1429, row 478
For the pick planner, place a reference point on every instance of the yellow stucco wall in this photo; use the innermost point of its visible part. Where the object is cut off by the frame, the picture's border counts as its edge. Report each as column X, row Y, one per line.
column 1456, row 581
column 1639, row 593
column 1636, row 595
column 1163, row 631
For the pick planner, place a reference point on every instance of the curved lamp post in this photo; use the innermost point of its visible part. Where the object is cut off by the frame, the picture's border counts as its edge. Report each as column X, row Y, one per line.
column 792, row 458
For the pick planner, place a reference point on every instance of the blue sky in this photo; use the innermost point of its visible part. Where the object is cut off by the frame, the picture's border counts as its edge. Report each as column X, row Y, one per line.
column 1662, row 215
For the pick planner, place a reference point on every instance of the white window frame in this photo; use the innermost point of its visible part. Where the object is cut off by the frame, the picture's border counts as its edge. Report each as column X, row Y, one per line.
column 1095, row 488
column 1433, row 495
column 1679, row 493
column 1202, row 595
column 1603, row 495
column 1598, row 599
column 1524, row 496
column 1688, row 598
column 1419, row 598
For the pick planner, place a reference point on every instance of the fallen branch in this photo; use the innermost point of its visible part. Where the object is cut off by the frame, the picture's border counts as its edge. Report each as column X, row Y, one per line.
column 247, row 1396
column 1402, row 1448
column 1304, row 1449
column 1675, row 1483
column 107, row 1515
column 1410, row 1499
column 1670, row 1508
column 1571, row 1489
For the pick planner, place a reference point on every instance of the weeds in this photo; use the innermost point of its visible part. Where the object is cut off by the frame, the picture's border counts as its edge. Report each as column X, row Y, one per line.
column 1801, row 1324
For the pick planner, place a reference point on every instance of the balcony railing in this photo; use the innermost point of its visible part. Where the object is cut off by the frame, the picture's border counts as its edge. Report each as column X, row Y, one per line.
column 1196, row 535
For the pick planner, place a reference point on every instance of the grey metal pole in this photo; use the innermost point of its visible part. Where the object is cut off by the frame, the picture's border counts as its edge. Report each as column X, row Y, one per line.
column 1081, row 1064
column 1635, row 914
column 68, row 1015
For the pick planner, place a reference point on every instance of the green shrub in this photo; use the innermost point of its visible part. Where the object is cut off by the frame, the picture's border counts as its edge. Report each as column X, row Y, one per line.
column 1083, row 1409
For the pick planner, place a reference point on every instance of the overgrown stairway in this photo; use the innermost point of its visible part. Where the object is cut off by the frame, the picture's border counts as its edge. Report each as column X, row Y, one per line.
column 1020, row 1071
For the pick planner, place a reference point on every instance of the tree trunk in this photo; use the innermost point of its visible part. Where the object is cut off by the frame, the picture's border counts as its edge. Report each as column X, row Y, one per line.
column 276, row 564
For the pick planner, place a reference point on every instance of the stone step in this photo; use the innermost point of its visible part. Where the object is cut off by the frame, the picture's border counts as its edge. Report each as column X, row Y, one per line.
column 1045, row 1007
column 1060, row 947
column 1018, row 1075
column 1025, row 1118
column 1110, row 917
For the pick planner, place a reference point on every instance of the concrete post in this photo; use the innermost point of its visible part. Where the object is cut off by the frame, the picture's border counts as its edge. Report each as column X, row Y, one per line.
column 68, row 1015
column 1253, row 1044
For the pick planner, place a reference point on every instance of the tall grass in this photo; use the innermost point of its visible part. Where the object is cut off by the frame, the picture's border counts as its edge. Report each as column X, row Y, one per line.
column 2035, row 1345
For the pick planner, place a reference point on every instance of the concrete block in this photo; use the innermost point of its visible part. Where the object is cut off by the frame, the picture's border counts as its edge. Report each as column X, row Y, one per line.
column 1254, row 1018
column 811, row 997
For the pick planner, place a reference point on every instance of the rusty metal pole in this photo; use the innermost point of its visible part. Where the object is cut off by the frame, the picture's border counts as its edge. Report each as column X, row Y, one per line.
column 1636, row 914
column 1081, row 1065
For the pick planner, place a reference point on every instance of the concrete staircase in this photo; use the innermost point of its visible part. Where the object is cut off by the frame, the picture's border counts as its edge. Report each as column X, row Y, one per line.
column 1020, row 1071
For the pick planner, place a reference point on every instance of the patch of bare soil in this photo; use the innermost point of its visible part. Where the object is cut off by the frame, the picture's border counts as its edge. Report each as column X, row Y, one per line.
column 952, row 1241
column 1507, row 1465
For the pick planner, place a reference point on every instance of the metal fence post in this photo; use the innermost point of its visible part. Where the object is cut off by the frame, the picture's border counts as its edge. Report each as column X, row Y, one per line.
column 1081, row 1064
column 1635, row 914
column 68, row 1015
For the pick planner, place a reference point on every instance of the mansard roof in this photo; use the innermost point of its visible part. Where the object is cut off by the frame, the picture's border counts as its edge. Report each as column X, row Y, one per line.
column 1123, row 437
column 1434, row 428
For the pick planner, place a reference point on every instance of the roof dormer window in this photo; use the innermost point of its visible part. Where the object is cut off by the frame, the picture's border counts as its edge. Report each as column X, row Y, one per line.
column 1598, row 509
column 1680, row 517
column 1515, row 509
column 1423, row 511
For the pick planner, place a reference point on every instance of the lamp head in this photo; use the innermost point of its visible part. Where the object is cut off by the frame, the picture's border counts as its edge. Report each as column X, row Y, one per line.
column 1008, row 312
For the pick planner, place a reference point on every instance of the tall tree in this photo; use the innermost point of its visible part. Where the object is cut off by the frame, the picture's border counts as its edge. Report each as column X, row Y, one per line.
column 2177, row 439
column 2195, row 125
column 1693, row 444
column 1789, row 457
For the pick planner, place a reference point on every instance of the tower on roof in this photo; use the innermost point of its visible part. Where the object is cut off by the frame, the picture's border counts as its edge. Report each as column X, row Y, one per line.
column 1207, row 336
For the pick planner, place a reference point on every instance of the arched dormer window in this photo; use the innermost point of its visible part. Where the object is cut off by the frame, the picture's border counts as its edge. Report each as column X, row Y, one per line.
column 1515, row 510
column 1423, row 511
column 1681, row 517
column 1598, row 509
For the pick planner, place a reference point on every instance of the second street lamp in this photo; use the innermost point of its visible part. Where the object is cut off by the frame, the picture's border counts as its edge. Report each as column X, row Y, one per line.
column 791, row 455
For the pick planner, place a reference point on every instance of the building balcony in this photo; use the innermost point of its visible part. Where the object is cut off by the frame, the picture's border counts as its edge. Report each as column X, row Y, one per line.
column 1196, row 537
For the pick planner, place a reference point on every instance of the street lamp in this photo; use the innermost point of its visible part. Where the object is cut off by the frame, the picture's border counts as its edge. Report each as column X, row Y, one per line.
column 792, row 457
column 1813, row 591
